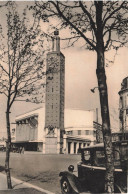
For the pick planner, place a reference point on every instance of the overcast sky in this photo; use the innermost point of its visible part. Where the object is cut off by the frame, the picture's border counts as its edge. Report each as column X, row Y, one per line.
column 80, row 77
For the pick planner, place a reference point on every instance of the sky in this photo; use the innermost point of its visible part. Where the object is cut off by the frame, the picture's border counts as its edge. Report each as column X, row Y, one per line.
column 80, row 77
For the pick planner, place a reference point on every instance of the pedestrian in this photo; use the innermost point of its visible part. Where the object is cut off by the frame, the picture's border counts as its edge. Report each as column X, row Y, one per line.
column 23, row 150
column 20, row 150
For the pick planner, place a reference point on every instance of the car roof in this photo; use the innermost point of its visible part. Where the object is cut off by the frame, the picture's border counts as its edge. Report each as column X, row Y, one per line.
column 100, row 146
column 96, row 146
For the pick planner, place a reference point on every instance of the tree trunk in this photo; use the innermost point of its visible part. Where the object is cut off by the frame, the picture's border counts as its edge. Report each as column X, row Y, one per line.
column 8, row 147
column 109, row 177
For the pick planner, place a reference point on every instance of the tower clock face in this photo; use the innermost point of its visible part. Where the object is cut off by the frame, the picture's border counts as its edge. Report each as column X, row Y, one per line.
column 53, row 63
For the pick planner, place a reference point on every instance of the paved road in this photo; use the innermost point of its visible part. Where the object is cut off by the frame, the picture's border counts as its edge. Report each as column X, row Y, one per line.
column 40, row 170
column 22, row 191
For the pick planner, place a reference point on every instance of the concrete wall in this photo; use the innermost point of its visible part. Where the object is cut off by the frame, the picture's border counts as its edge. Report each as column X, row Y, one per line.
column 54, row 104
column 72, row 144
column 25, row 132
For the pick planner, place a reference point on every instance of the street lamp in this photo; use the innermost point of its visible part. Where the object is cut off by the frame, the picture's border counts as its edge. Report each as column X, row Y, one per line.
column 93, row 89
column 27, row 100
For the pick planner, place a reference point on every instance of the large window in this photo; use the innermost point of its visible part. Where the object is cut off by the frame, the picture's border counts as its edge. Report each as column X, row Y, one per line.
column 86, row 157
column 94, row 133
column 69, row 132
column 79, row 132
column 99, row 158
column 87, row 132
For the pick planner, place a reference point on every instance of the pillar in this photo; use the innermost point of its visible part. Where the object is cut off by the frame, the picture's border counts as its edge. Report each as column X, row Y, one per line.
column 58, row 140
column 77, row 147
column 72, row 148
column 64, row 144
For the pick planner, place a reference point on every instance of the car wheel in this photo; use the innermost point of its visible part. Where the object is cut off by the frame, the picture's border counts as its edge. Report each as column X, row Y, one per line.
column 65, row 186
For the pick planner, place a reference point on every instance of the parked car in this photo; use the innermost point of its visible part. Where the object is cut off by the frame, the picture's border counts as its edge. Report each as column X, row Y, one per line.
column 2, row 148
column 91, row 170
column 15, row 149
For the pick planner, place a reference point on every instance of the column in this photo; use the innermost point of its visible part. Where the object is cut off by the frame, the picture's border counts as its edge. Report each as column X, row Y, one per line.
column 43, row 147
column 44, row 140
column 58, row 140
column 77, row 147
column 91, row 143
column 82, row 145
column 72, row 148
column 64, row 144
column 75, row 151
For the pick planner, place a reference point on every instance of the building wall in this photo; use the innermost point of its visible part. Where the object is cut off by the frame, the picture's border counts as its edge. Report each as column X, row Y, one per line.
column 72, row 143
column 54, row 98
column 123, row 105
column 78, row 118
column 62, row 90
column 79, row 130
column 54, row 103
column 99, row 134
column 84, row 132
column 27, row 131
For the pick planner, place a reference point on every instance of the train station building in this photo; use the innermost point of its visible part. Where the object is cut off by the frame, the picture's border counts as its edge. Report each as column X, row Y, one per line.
column 52, row 128
column 79, row 131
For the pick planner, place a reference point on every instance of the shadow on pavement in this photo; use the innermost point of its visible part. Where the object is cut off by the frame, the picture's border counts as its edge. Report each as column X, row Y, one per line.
column 22, row 191
column 22, row 182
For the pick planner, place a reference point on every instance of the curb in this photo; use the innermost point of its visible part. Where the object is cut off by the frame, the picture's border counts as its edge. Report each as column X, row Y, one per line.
column 28, row 185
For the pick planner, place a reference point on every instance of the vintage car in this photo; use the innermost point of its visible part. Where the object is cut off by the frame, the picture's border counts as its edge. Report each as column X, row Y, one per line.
column 91, row 170
column 2, row 148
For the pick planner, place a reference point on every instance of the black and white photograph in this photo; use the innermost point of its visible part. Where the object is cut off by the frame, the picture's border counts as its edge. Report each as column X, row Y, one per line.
column 63, row 97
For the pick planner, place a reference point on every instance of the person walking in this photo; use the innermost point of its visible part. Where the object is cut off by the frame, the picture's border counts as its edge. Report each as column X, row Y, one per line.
column 20, row 150
column 23, row 150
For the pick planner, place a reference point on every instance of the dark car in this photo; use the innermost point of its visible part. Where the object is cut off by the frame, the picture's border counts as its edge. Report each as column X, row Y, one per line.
column 15, row 149
column 2, row 148
column 91, row 170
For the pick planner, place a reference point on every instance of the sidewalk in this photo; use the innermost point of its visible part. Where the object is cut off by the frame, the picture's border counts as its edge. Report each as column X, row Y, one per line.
column 20, row 187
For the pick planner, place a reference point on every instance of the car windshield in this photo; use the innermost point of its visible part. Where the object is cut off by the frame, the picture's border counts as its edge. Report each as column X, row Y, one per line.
column 94, row 157
column 99, row 158
column 120, row 154
column 124, row 152
column 86, row 157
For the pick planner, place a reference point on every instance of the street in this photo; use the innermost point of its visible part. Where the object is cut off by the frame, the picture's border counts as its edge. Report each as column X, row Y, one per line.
column 38, row 169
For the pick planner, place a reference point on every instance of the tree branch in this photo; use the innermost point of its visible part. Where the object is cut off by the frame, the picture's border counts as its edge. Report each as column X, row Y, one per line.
column 72, row 25
column 112, row 13
column 89, row 16
column 4, row 69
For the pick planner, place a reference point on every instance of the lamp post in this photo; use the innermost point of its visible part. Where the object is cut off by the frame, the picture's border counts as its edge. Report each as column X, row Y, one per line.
column 93, row 89
column 27, row 100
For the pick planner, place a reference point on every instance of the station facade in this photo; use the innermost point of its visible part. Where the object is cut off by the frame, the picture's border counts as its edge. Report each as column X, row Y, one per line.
column 30, row 133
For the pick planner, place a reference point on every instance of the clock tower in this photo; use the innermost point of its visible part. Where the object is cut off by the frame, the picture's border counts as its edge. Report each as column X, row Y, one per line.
column 54, row 99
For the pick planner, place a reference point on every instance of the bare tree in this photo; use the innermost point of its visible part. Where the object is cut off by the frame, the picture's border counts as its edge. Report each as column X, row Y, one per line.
column 21, row 66
column 103, row 26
